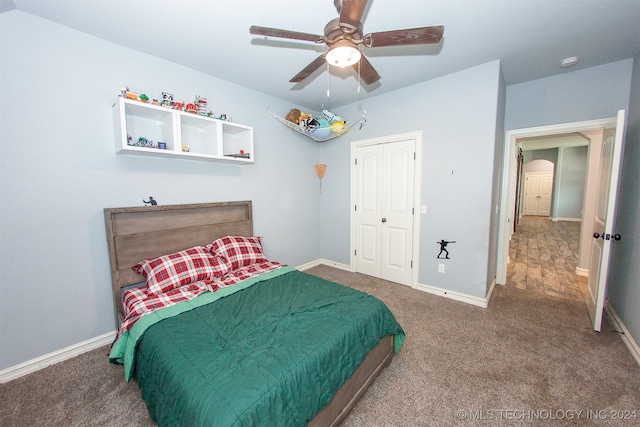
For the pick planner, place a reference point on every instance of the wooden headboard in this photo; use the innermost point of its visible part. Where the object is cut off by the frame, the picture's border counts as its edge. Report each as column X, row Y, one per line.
column 146, row 232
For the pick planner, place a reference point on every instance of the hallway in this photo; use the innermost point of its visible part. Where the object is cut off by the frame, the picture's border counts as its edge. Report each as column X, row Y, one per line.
column 543, row 255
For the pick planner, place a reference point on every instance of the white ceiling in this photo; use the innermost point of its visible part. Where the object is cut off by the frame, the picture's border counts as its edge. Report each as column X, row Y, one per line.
column 530, row 37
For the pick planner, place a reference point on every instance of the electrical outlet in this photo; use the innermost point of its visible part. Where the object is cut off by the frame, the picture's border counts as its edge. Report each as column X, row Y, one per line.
column 440, row 268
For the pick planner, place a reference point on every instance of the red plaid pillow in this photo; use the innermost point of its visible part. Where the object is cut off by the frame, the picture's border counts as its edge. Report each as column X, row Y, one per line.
column 238, row 251
column 181, row 268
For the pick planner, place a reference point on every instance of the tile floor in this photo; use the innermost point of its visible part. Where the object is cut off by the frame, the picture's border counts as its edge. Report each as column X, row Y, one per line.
column 543, row 255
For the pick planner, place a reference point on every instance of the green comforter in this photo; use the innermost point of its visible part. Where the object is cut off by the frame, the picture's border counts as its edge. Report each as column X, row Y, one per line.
column 272, row 354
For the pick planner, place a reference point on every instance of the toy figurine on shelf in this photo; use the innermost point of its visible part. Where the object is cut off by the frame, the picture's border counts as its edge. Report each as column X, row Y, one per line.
column 126, row 93
column 144, row 98
column 178, row 105
column 142, row 142
column 201, row 103
column 191, row 108
column 167, row 99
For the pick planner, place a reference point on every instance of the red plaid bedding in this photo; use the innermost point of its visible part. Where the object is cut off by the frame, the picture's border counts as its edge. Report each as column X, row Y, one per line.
column 238, row 251
column 138, row 301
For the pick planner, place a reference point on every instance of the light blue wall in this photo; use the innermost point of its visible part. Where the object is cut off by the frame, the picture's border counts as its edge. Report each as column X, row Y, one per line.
column 59, row 170
column 588, row 94
column 624, row 288
column 458, row 115
column 571, row 183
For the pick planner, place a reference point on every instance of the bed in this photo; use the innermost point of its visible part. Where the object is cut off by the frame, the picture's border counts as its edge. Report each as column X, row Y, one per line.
column 260, row 343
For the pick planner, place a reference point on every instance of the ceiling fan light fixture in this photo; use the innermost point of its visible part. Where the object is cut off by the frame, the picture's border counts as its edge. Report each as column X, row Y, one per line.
column 343, row 55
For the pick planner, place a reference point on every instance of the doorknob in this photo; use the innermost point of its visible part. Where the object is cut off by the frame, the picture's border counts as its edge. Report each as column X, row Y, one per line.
column 384, row 219
column 607, row 236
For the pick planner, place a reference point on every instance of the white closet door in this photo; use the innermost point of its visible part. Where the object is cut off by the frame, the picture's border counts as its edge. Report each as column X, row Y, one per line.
column 368, row 210
column 384, row 210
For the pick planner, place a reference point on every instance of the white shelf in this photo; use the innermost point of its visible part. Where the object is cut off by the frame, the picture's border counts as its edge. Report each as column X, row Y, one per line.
column 207, row 139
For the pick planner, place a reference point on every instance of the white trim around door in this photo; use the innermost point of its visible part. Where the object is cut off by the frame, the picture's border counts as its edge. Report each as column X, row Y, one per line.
column 417, row 191
column 508, row 184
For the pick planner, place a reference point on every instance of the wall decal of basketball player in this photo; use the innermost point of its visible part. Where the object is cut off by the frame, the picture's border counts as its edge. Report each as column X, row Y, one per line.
column 443, row 248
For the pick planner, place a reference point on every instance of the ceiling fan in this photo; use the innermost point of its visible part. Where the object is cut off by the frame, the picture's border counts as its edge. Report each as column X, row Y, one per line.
column 344, row 35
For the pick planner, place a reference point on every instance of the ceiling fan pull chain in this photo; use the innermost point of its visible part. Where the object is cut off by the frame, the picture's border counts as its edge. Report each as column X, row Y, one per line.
column 328, row 81
column 359, row 62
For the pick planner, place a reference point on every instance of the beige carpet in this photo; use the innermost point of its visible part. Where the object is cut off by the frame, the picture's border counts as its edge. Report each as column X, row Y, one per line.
column 525, row 360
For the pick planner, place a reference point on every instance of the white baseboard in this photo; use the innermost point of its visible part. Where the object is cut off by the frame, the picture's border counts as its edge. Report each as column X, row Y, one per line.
column 559, row 218
column 626, row 336
column 582, row 272
column 326, row 262
column 469, row 299
column 66, row 353
column 457, row 296
column 491, row 288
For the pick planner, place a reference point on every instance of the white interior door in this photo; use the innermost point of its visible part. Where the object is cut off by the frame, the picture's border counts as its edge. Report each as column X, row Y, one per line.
column 531, row 185
column 397, row 211
column 603, row 223
column 544, row 193
column 384, row 210
column 537, row 193
column 368, row 226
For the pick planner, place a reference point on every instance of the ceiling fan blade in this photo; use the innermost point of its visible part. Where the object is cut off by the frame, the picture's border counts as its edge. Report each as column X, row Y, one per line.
column 309, row 69
column 351, row 14
column 368, row 74
column 409, row 36
column 285, row 34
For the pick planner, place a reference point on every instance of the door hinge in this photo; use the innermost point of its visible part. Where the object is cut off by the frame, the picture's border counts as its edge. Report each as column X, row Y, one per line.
column 413, row 211
column 411, row 265
column 355, row 252
column 355, row 208
column 414, row 155
column 355, row 161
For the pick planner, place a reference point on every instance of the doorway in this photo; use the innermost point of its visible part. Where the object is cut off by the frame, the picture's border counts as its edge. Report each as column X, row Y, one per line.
column 385, row 189
column 510, row 173
column 544, row 248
